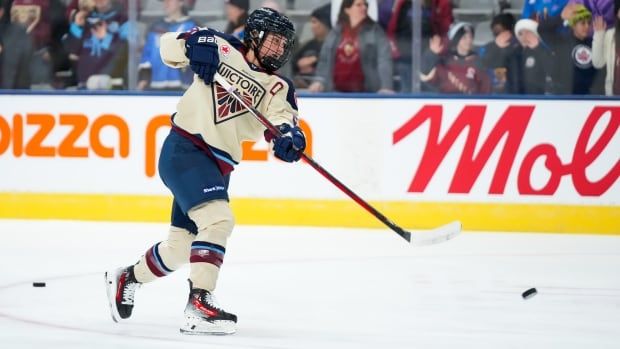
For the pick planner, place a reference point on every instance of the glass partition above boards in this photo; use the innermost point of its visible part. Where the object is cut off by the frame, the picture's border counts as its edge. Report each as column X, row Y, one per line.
column 470, row 47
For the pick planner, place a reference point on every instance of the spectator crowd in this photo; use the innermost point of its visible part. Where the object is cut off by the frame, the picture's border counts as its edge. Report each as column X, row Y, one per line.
column 551, row 47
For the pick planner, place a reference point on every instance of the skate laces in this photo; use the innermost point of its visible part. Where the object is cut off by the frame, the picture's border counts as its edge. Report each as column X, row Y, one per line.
column 129, row 291
column 210, row 300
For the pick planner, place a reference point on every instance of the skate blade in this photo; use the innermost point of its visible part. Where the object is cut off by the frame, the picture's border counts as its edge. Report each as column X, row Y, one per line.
column 204, row 328
column 110, row 287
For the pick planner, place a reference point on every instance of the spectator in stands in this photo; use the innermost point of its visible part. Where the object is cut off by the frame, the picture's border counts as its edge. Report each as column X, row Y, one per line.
column 272, row 4
column 15, row 54
column 606, row 50
column 495, row 55
column 355, row 56
column 93, row 43
column 101, row 55
column 543, row 10
column 457, row 70
column 5, row 5
column 531, row 66
column 573, row 53
column 152, row 72
column 76, row 6
column 237, row 14
column 373, row 10
column 436, row 18
column 306, row 58
column 598, row 8
column 395, row 18
column 45, row 23
column 114, row 15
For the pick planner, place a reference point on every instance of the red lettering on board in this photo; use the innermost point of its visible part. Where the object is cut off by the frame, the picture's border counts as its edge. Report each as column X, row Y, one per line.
column 512, row 126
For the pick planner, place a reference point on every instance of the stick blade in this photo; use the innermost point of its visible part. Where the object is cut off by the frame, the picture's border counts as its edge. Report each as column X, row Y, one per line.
column 437, row 235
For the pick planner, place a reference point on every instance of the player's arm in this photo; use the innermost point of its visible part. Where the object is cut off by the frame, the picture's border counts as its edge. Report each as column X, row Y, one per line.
column 172, row 51
column 197, row 48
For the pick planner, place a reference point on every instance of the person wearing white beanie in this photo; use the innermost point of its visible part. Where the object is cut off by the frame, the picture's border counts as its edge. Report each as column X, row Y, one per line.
column 530, row 66
column 526, row 24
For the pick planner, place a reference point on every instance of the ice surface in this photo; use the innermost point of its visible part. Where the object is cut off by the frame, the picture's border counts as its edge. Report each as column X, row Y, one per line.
column 317, row 288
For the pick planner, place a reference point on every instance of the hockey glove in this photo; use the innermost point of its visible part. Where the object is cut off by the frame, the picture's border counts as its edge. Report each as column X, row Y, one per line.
column 202, row 51
column 290, row 145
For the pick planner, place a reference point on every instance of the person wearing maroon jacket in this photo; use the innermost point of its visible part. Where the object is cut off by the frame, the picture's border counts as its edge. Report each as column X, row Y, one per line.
column 45, row 23
column 15, row 53
column 458, row 70
column 34, row 16
column 355, row 56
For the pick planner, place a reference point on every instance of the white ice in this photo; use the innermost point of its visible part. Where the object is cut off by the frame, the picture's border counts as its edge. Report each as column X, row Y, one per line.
column 317, row 288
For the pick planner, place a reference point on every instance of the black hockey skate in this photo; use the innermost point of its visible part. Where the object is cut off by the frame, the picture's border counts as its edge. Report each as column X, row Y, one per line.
column 121, row 286
column 204, row 316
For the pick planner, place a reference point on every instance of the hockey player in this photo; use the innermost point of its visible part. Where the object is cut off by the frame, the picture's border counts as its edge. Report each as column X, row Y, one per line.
column 199, row 153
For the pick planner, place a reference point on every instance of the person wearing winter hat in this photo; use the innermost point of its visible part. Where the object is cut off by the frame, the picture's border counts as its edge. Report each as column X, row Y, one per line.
column 237, row 14
column 306, row 58
column 575, row 72
column 524, row 29
column 458, row 71
column 531, row 63
column 580, row 13
column 240, row 4
column 598, row 8
column 457, row 31
column 323, row 15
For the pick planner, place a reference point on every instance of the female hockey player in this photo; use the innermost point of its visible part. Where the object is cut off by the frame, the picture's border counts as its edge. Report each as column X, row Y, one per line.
column 199, row 153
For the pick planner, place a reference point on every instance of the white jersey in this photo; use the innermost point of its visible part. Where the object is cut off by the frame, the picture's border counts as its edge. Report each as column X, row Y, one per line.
column 209, row 111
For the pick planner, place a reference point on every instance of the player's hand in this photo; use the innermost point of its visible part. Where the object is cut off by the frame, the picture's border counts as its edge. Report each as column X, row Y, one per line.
column 290, row 145
column 202, row 50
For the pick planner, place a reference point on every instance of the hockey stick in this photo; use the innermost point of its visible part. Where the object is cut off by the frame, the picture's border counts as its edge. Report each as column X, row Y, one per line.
column 443, row 233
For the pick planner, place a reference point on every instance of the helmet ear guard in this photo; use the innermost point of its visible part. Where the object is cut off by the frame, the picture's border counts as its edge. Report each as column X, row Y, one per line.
column 262, row 22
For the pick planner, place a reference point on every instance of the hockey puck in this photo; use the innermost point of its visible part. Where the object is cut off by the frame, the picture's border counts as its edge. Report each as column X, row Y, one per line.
column 38, row 284
column 529, row 293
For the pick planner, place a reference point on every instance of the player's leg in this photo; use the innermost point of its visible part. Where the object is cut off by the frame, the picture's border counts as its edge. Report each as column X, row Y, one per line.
column 159, row 260
column 164, row 257
column 169, row 255
column 203, row 315
column 201, row 191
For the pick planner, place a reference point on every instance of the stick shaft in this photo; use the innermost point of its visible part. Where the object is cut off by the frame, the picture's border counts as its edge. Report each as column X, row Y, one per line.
column 320, row 169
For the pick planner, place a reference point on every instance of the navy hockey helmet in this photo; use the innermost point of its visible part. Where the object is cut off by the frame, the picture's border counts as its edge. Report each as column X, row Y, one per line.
column 261, row 22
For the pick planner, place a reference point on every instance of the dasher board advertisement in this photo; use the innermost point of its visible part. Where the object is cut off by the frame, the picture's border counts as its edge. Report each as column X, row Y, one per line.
column 404, row 153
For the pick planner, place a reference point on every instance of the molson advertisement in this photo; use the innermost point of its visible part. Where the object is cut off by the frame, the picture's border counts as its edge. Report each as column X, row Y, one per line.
column 510, row 165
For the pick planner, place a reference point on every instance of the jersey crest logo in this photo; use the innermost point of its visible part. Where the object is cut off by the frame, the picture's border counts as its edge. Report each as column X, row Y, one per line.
column 226, row 106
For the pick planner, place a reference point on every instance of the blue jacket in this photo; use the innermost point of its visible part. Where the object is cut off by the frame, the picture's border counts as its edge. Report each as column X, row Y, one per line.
column 543, row 9
column 162, row 76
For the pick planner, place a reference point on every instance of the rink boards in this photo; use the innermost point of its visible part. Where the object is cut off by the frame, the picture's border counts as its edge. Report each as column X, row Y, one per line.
column 494, row 164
